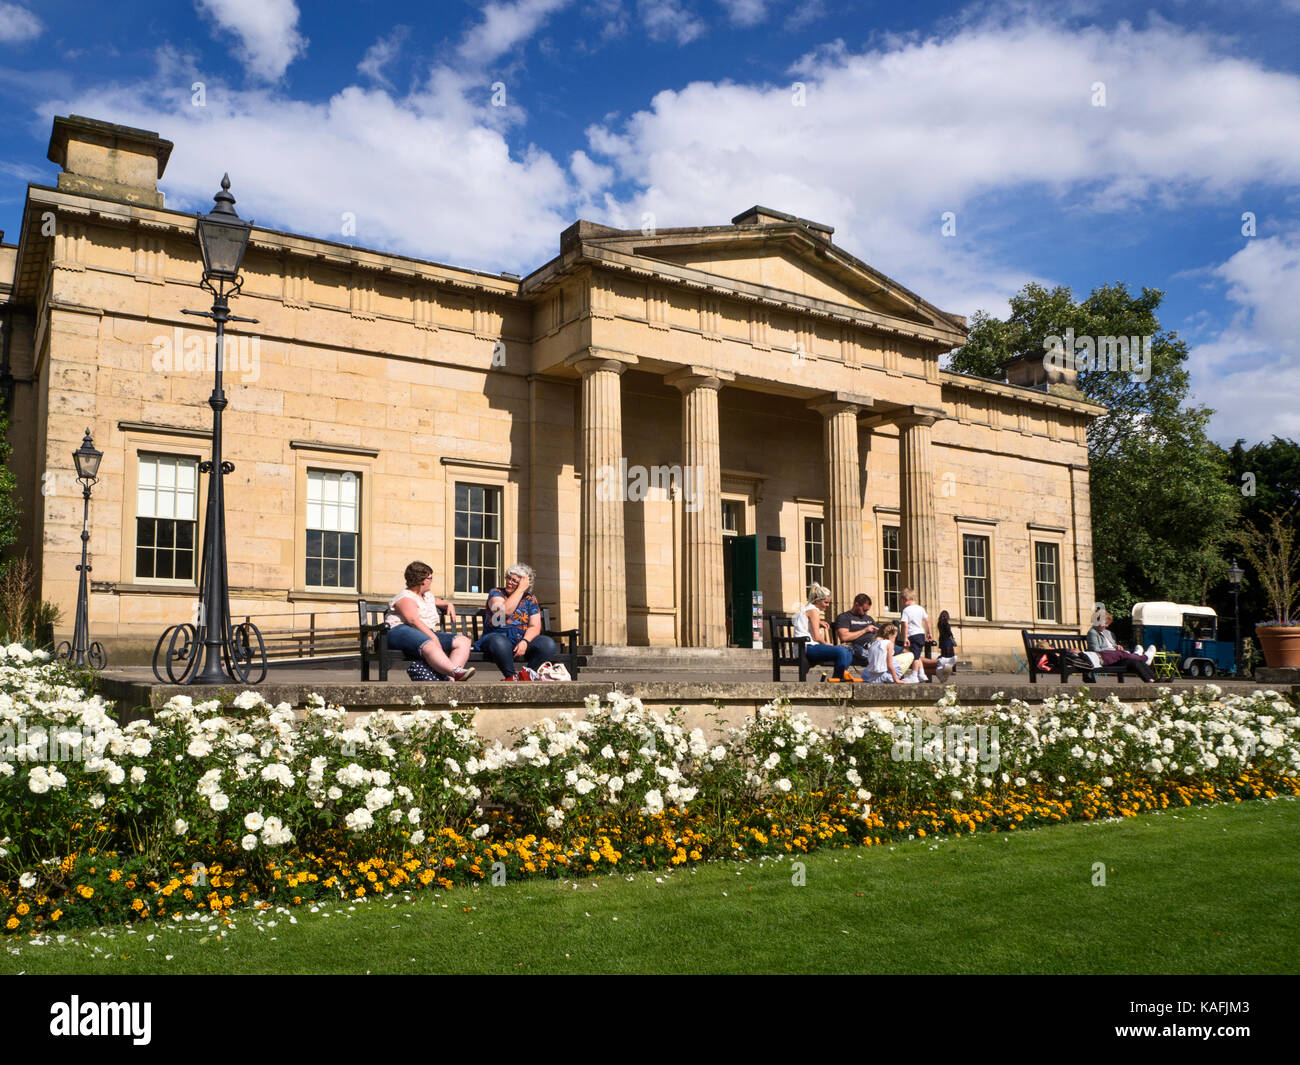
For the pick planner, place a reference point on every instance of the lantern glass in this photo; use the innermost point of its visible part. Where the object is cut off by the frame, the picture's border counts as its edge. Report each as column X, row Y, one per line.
column 87, row 459
column 223, row 244
column 1235, row 573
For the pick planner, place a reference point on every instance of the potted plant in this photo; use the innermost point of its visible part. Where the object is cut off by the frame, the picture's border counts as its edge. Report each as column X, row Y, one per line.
column 1275, row 554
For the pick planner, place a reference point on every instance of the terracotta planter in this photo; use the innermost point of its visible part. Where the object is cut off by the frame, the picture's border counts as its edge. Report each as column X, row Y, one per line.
column 1281, row 645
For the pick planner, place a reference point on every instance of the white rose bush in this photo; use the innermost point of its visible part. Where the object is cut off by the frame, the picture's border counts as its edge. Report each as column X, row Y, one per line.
column 205, row 806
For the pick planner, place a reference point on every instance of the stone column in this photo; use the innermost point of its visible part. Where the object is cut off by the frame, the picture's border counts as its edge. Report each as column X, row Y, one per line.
column 703, row 614
column 845, row 556
column 602, row 581
column 918, row 534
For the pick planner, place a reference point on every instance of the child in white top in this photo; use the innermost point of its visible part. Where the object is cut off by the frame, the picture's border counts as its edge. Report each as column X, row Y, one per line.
column 884, row 667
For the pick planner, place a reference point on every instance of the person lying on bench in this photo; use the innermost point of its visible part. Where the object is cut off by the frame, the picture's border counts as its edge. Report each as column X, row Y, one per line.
column 1101, row 641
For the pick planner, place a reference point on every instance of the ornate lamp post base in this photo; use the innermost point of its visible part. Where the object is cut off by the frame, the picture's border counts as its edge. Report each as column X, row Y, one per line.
column 242, row 654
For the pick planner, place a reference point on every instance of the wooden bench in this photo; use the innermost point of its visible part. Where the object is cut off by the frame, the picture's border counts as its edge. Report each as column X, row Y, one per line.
column 1051, row 644
column 374, row 638
column 787, row 648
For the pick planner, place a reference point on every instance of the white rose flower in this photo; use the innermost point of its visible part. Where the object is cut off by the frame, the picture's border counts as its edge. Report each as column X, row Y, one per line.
column 583, row 786
column 198, row 748
column 141, row 747
column 97, row 800
column 116, row 775
column 249, row 842
column 179, row 827
column 718, row 753
column 359, row 820
column 253, row 821
column 654, row 804
column 137, row 774
column 784, row 784
column 417, row 837
column 615, row 784
column 335, row 793
column 27, row 881
column 219, row 801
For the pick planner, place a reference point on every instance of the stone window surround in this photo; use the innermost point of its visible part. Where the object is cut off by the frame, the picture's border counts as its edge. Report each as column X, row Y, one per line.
column 1048, row 534
column 498, row 475
column 138, row 438
column 986, row 528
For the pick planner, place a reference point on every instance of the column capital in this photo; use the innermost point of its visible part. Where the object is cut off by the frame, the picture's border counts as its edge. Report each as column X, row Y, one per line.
column 835, row 402
column 689, row 378
column 589, row 360
column 926, row 416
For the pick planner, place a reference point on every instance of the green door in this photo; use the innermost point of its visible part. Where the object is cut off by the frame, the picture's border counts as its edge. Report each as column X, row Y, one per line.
column 743, row 564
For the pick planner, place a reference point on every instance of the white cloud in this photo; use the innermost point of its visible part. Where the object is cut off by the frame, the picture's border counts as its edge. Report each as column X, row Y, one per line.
column 380, row 54
column 504, row 26
column 426, row 174
column 891, row 137
column 746, row 12
column 1250, row 372
column 267, row 32
column 668, row 20
column 17, row 24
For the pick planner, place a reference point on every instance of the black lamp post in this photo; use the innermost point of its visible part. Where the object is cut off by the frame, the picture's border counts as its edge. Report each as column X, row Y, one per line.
column 81, row 651
column 214, row 652
column 1235, row 573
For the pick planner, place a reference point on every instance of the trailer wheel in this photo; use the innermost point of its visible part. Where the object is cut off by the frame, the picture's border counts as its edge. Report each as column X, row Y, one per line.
column 1207, row 670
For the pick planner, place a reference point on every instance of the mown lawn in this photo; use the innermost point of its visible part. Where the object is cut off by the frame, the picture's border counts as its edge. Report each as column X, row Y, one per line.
column 1211, row 890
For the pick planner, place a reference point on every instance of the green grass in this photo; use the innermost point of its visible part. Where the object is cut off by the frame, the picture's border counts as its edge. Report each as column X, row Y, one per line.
column 1209, row 890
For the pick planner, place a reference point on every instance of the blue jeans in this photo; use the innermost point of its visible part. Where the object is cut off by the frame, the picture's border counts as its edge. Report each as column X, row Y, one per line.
column 408, row 639
column 827, row 654
column 501, row 649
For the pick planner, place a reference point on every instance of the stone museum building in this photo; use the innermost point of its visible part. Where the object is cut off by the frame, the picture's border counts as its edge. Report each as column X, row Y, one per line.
column 662, row 423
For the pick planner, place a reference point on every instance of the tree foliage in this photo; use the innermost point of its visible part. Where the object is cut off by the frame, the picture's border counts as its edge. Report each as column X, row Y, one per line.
column 1162, row 504
column 9, row 510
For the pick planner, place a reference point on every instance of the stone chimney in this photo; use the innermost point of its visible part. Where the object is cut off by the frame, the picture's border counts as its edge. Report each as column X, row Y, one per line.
column 1031, row 371
column 107, row 161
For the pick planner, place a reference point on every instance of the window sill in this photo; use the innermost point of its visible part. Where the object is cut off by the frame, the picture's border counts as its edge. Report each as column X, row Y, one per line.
column 190, row 590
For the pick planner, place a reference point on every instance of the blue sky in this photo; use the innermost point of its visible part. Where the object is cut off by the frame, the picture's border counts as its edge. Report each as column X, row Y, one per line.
column 687, row 110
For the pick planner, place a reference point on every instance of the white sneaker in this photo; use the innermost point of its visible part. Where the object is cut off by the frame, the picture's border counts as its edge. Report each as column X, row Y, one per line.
column 943, row 672
column 1151, row 654
column 910, row 678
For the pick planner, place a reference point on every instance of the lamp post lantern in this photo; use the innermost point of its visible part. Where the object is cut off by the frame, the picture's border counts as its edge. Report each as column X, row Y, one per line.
column 210, row 650
column 1235, row 573
column 81, row 651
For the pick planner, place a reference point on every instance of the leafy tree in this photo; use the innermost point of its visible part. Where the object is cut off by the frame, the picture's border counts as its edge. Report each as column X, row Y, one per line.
column 1162, row 505
column 9, row 510
column 1267, row 475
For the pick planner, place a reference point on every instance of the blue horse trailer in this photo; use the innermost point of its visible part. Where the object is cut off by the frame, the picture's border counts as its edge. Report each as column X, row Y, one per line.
column 1190, row 632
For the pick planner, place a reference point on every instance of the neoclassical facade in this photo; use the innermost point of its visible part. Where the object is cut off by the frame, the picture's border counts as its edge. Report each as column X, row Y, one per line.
column 661, row 423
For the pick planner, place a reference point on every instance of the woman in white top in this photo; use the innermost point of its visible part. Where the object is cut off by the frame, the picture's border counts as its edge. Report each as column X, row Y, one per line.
column 808, row 622
column 413, row 619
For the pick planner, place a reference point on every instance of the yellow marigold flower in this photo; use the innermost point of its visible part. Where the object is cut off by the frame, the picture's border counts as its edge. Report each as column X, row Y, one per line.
column 85, row 891
column 137, row 905
column 12, row 923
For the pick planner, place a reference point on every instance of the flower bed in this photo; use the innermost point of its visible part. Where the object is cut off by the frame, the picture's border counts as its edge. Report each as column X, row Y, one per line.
column 208, row 806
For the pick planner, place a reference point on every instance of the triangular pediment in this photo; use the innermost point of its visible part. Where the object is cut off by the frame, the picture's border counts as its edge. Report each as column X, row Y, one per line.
column 790, row 257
